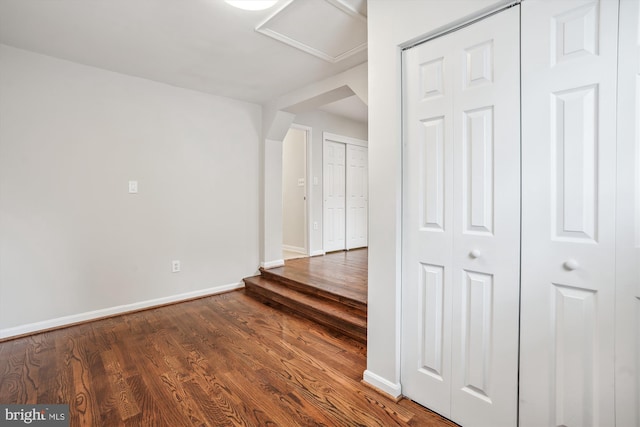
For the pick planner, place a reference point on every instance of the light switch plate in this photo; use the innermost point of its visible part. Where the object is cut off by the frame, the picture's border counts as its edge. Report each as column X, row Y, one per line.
column 133, row 187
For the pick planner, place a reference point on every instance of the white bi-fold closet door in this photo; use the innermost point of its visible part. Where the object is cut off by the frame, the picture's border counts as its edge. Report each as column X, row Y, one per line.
column 334, row 188
column 579, row 333
column 357, row 218
column 345, row 189
column 461, row 222
column 571, row 186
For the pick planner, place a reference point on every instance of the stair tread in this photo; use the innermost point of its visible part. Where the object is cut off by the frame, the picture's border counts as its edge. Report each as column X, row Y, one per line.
column 305, row 283
column 344, row 313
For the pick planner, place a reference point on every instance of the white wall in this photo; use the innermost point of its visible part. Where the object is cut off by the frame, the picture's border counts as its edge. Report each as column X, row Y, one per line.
column 294, row 159
column 72, row 240
column 320, row 122
column 392, row 24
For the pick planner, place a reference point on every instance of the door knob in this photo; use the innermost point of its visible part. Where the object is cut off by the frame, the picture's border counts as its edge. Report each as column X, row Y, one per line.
column 571, row 264
column 475, row 253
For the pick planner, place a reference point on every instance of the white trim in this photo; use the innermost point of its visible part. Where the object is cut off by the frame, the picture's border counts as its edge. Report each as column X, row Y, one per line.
column 111, row 311
column 272, row 264
column 347, row 8
column 328, row 136
column 392, row 389
column 274, row 14
column 295, row 249
column 460, row 23
column 310, row 50
column 261, row 28
column 318, row 253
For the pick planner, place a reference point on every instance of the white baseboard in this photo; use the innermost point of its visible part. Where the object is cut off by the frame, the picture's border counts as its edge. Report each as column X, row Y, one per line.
column 317, row 253
column 392, row 389
column 272, row 264
column 295, row 249
column 112, row 311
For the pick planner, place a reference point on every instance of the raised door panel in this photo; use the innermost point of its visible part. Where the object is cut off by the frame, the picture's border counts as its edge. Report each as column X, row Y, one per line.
column 478, row 171
column 574, row 335
column 477, row 335
column 628, row 219
column 568, row 212
column 574, row 154
column 432, row 174
column 431, row 321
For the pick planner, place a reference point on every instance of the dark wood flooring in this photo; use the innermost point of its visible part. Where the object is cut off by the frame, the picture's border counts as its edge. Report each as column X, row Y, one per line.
column 225, row 360
column 330, row 290
column 341, row 273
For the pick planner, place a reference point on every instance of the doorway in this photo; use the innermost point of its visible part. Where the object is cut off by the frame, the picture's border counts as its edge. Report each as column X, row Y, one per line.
column 295, row 197
column 345, row 189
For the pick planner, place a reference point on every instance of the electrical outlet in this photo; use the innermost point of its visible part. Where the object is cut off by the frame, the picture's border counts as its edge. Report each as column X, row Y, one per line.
column 133, row 187
column 175, row 266
column 315, row 225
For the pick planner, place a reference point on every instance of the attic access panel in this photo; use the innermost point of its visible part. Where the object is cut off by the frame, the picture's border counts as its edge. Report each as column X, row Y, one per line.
column 328, row 29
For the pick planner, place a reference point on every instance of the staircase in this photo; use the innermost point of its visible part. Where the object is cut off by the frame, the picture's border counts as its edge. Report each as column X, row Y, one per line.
column 295, row 294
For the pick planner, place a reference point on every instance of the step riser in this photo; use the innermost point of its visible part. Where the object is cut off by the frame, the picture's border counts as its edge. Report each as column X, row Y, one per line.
column 310, row 290
column 303, row 308
column 265, row 296
column 270, row 302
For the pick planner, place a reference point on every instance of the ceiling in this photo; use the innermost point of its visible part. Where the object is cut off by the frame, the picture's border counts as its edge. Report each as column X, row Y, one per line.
column 352, row 108
column 205, row 45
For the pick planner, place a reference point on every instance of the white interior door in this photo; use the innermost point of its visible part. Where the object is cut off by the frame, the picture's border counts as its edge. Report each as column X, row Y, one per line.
column 427, row 226
column 568, row 212
column 628, row 219
column 357, row 197
column 461, row 228
column 334, row 188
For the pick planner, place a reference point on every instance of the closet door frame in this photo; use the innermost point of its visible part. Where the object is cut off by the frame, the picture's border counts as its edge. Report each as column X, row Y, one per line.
column 329, row 138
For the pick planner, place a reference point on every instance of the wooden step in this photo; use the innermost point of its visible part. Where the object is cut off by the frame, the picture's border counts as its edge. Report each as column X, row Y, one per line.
column 304, row 282
column 316, row 307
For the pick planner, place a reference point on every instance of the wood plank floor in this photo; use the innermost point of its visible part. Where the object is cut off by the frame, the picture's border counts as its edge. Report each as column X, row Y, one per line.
column 224, row 360
column 342, row 273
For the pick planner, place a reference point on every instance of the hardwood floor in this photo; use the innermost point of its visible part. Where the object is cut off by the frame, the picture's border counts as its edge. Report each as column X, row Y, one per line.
column 342, row 273
column 224, row 360
column 330, row 290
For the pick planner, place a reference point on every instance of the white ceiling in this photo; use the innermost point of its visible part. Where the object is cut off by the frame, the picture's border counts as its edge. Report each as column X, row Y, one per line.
column 204, row 45
column 352, row 108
